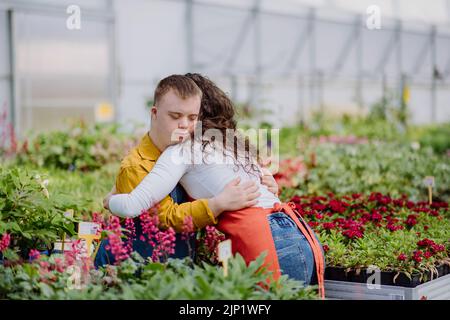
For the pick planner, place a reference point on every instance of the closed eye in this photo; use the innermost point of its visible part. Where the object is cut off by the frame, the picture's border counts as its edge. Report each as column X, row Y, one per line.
column 175, row 115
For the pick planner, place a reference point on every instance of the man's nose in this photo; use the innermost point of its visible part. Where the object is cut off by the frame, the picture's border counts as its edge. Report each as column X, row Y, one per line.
column 183, row 123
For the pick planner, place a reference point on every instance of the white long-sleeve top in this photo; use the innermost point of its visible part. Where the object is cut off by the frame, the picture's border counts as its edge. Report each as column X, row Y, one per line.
column 202, row 173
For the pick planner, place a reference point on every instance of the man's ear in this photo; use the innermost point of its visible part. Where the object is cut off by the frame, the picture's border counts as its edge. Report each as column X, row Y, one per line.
column 153, row 111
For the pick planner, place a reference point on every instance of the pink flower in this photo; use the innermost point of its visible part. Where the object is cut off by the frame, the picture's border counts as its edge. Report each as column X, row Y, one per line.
column 97, row 218
column 59, row 265
column 4, row 242
column 212, row 240
column 71, row 256
column 188, row 228
column 165, row 244
column 118, row 248
column 129, row 225
column 34, row 254
column 149, row 223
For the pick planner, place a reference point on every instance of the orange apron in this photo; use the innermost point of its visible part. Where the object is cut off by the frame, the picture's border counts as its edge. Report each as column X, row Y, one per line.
column 250, row 233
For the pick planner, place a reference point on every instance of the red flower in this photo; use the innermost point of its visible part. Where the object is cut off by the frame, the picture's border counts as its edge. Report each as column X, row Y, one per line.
column 318, row 206
column 376, row 216
column 427, row 254
column 426, row 228
column 337, row 206
column 353, row 233
column 417, row 256
column 394, row 227
column 425, row 242
column 434, row 213
column 326, row 248
column 319, row 216
column 437, row 247
column 411, row 220
column 313, row 224
column 401, row 257
column 328, row 225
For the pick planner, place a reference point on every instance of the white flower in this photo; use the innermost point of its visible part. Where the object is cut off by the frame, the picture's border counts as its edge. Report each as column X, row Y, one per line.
column 415, row 145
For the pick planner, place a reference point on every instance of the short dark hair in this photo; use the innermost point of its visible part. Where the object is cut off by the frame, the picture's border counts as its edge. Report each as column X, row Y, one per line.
column 183, row 86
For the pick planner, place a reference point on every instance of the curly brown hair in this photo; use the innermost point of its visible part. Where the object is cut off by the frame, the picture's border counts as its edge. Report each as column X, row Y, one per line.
column 217, row 112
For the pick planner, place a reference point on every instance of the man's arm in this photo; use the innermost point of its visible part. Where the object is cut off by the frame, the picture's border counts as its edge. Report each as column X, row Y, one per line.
column 171, row 214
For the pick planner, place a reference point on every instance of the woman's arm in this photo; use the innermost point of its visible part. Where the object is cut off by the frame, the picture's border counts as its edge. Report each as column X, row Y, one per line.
column 160, row 181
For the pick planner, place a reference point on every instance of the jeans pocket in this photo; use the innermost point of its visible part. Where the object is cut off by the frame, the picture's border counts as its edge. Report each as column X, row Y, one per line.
column 292, row 262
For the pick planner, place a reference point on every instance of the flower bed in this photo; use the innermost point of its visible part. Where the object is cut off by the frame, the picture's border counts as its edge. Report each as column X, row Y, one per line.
column 408, row 241
column 383, row 167
column 72, row 275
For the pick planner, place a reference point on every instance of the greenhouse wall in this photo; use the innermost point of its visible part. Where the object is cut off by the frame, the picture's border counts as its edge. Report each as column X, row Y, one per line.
column 284, row 61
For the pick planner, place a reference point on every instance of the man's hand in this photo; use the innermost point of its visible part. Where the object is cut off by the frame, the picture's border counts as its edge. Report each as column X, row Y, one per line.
column 108, row 196
column 269, row 181
column 235, row 197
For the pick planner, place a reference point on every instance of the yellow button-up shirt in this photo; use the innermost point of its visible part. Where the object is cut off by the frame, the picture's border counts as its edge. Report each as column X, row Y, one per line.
column 136, row 165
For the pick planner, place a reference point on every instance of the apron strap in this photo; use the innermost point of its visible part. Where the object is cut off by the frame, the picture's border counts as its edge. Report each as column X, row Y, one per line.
column 312, row 240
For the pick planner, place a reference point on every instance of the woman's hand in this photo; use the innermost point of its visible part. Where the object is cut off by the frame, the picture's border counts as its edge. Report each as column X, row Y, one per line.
column 108, row 196
column 235, row 196
column 269, row 181
column 267, row 178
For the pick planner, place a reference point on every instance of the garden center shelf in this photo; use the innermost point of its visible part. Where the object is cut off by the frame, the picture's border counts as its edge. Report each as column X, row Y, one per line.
column 437, row 289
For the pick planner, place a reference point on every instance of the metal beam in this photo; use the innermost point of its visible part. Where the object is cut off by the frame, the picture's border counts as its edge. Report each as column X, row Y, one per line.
column 433, row 75
column 388, row 51
column 312, row 60
column 421, row 56
column 14, row 108
column 347, row 47
column 189, row 36
column 300, row 45
column 240, row 40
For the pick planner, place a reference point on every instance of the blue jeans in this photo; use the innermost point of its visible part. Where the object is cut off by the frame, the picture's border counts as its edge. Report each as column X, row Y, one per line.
column 105, row 257
column 295, row 255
